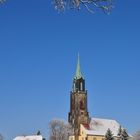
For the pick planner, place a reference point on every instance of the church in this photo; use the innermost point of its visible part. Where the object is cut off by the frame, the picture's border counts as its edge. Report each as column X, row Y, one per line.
column 86, row 128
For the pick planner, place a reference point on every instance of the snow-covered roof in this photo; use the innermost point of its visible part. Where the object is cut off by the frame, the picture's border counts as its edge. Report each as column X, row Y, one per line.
column 99, row 126
column 34, row 137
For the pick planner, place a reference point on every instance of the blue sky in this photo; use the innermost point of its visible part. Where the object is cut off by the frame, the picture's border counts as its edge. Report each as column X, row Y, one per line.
column 38, row 56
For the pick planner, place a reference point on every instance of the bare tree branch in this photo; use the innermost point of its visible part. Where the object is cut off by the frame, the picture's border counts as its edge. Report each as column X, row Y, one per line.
column 91, row 5
column 1, row 137
column 59, row 130
column 136, row 136
column 2, row 1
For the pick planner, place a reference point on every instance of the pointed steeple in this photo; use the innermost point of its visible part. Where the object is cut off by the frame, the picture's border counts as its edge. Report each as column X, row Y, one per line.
column 78, row 102
column 78, row 74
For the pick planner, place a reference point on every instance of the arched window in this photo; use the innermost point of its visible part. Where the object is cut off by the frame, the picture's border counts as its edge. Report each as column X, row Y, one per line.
column 81, row 105
column 74, row 86
column 81, row 86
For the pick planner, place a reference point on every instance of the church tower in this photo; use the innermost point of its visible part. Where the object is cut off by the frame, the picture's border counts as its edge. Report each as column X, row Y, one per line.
column 78, row 102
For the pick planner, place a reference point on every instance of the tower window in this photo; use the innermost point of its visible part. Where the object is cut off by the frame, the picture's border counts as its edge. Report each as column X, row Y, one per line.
column 74, row 86
column 81, row 105
column 81, row 86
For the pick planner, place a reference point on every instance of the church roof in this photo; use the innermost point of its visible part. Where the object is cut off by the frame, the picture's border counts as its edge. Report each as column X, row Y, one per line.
column 33, row 137
column 78, row 74
column 99, row 126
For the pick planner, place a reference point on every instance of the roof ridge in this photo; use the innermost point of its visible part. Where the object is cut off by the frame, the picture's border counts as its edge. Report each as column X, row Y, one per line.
column 103, row 119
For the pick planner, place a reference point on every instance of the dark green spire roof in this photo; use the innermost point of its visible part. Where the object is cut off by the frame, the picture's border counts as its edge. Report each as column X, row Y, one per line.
column 78, row 74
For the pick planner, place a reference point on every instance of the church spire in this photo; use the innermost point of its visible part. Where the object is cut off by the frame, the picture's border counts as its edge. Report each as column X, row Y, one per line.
column 78, row 74
column 78, row 81
column 78, row 102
